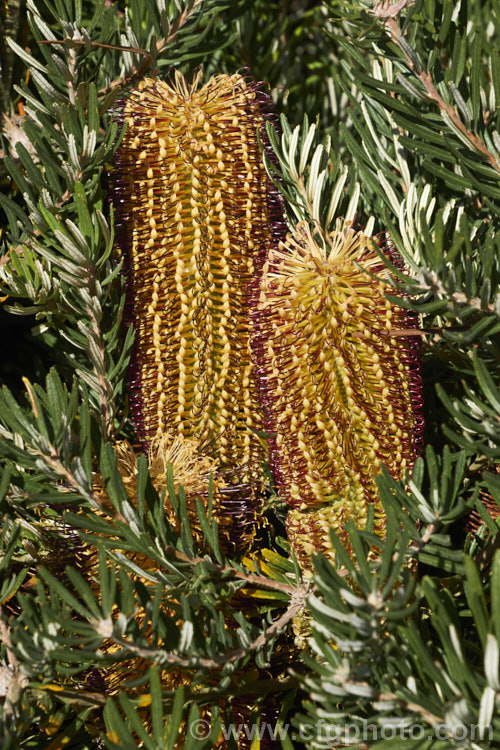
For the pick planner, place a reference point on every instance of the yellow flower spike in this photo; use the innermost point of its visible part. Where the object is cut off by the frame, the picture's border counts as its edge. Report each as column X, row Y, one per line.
column 194, row 205
column 339, row 381
column 196, row 216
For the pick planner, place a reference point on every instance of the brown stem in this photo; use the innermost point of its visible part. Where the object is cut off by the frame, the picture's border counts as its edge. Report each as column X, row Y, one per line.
column 259, row 687
column 296, row 604
column 458, row 297
column 250, row 578
column 5, row 639
column 9, row 29
column 181, row 20
column 388, row 15
column 417, row 544
column 54, row 462
column 385, row 10
column 10, row 675
column 410, row 706
column 105, row 388
column 430, row 530
column 81, row 42
column 144, row 64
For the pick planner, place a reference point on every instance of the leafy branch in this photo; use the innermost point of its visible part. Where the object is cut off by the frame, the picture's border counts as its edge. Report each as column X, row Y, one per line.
column 388, row 14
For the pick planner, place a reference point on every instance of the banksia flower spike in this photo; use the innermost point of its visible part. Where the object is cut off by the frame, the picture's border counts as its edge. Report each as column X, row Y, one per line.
column 195, row 213
column 339, row 381
column 194, row 207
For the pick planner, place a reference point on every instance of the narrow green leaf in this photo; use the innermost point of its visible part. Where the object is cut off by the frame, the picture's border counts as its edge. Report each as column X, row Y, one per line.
column 175, row 719
column 476, row 599
column 486, row 382
column 85, row 440
column 495, row 594
column 63, row 592
column 458, row 58
column 111, row 476
column 30, row 61
column 84, row 220
column 186, row 533
column 142, row 482
column 475, row 81
column 156, row 704
column 495, row 74
column 84, row 590
column 116, row 728
column 488, row 521
column 448, row 7
column 136, row 722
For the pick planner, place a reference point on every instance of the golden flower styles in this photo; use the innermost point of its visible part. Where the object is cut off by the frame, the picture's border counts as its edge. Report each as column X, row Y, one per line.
column 339, row 381
column 194, row 206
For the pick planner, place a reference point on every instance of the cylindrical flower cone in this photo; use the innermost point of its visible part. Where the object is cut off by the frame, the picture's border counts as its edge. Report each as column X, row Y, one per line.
column 194, row 206
column 339, row 381
column 196, row 215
